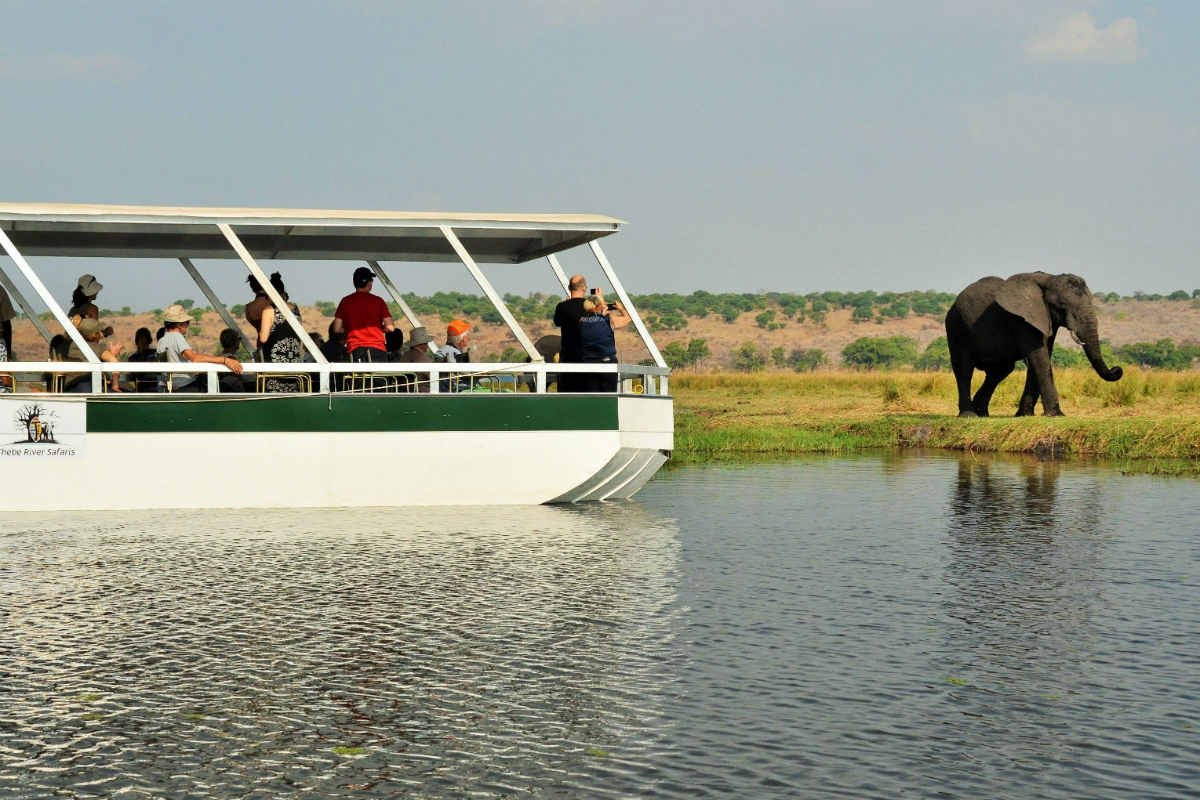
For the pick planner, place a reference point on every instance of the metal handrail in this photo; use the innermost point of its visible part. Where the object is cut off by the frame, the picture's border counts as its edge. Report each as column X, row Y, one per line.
column 654, row 379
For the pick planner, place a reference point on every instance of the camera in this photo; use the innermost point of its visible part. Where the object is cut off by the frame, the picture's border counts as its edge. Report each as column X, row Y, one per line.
column 595, row 290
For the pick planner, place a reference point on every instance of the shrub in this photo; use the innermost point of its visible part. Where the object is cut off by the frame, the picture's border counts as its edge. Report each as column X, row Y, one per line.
column 748, row 358
column 1163, row 354
column 187, row 303
column 778, row 357
column 1068, row 357
column 880, row 352
column 807, row 360
column 325, row 307
column 936, row 356
column 237, row 310
column 677, row 355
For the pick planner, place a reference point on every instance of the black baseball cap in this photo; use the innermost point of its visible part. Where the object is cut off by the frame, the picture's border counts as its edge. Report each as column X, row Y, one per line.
column 362, row 276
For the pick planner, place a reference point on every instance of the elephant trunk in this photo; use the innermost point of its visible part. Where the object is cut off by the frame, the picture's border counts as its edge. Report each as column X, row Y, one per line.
column 1089, row 337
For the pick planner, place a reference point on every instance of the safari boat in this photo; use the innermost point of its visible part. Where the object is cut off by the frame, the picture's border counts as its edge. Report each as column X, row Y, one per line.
column 480, row 433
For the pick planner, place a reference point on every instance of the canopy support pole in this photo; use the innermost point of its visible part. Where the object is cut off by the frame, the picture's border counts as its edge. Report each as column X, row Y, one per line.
column 399, row 298
column 491, row 294
column 216, row 303
column 625, row 301
column 558, row 272
column 395, row 293
column 26, row 309
column 281, row 306
column 70, row 330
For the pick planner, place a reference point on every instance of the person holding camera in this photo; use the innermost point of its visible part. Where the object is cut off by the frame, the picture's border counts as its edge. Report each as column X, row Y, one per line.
column 598, row 341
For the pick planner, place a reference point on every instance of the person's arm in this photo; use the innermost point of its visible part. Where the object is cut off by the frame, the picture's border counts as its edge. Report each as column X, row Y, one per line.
column 618, row 317
column 339, row 326
column 388, row 324
column 264, row 325
column 232, row 364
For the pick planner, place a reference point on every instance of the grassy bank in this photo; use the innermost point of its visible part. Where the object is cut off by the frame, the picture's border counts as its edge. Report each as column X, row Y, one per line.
column 1148, row 420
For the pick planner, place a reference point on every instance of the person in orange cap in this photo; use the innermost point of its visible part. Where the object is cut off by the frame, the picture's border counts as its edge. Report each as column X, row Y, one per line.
column 458, row 334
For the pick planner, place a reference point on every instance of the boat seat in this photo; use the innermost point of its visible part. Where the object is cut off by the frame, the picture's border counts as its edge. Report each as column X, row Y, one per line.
column 301, row 380
column 375, row 382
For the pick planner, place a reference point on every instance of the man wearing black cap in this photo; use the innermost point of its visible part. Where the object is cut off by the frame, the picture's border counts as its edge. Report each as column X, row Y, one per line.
column 364, row 318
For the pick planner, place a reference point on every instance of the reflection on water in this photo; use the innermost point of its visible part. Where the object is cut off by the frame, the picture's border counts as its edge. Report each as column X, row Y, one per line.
column 890, row 626
column 334, row 652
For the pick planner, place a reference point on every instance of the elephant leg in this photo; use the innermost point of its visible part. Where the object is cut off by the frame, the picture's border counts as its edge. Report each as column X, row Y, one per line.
column 960, row 362
column 1039, row 365
column 1029, row 396
column 984, row 396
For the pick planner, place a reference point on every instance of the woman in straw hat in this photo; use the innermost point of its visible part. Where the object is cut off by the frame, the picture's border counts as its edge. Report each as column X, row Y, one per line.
column 173, row 347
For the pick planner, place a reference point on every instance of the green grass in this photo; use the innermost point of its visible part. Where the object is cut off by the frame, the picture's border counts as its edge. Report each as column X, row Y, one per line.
column 1147, row 421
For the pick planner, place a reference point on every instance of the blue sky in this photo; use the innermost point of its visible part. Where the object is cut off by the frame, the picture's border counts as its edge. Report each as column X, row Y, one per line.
column 791, row 146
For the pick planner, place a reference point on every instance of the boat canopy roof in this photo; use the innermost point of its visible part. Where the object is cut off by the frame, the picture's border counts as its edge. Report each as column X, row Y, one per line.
column 115, row 231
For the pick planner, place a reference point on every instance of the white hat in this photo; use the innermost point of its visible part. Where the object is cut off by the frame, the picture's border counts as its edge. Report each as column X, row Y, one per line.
column 419, row 336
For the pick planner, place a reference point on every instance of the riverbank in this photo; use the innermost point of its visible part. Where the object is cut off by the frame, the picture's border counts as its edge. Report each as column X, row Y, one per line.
column 1148, row 421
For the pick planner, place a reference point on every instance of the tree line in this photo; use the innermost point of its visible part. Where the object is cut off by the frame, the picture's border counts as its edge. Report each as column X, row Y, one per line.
column 901, row 352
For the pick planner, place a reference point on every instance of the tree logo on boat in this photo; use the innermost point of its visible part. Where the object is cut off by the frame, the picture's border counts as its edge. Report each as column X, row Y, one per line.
column 43, row 428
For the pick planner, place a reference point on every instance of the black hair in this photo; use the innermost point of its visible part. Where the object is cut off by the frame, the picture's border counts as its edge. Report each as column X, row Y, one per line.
column 78, row 298
column 161, row 332
column 394, row 339
column 229, row 339
column 255, row 286
column 277, row 282
column 140, row 334
column 59, row 345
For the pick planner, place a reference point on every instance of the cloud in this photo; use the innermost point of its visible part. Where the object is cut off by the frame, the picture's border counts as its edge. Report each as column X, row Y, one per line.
column 99, row 67
column 1077, row 38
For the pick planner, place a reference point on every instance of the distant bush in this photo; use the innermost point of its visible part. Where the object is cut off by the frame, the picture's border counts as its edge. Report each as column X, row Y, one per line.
column 778, row 357
column 1163, row 354
column 936, row 356
column 767, row 320
column 880, row 352
column 1179, row 294
column 807, row 360
column 748, row 358
column 237, row 310
column 1067, row 357
column 677, row 355
column 325, row 308
column 187, row 303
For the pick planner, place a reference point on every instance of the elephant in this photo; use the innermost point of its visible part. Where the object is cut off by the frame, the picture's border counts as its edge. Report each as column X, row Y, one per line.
column 995, row 322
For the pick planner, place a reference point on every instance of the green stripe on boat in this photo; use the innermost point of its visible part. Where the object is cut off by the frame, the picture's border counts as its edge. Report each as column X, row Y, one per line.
column 351, row 413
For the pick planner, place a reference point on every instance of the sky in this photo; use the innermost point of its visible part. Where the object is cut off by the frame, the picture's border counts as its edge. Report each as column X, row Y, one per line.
column 757, row 145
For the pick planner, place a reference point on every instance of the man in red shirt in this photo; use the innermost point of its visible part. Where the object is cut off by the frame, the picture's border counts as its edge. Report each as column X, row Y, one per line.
column 364, row 318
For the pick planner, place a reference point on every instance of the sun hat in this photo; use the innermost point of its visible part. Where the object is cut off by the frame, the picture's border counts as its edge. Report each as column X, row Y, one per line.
column 89, row 285
column 363, row 276
column 176, row 313
column 458, row 327
column 89, row 326
column 419, row 336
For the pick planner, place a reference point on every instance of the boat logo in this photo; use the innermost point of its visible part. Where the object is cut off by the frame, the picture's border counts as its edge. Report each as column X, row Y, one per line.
column 43, row 428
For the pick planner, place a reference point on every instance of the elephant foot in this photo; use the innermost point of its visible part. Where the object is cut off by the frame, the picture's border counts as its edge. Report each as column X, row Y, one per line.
column 1024, row 412
column 967, row 413
column 1053, row 412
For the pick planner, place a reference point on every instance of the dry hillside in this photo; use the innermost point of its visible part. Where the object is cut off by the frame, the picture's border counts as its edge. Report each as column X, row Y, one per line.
column 1121, row 322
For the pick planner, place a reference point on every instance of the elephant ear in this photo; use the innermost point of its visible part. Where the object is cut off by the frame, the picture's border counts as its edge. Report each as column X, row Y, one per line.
column 1022, row 295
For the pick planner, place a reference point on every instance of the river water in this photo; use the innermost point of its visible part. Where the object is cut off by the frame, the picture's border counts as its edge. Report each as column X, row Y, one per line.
column 880, row 626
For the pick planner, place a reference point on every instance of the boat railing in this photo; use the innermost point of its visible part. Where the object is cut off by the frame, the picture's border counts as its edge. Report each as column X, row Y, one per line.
column 371, row 377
